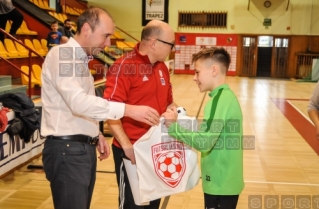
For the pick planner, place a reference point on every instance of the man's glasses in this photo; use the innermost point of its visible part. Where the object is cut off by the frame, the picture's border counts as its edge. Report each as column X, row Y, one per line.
column 171, row 44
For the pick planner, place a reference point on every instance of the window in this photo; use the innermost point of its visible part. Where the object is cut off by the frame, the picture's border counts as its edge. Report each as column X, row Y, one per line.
column 265, row 41
column 202, row 19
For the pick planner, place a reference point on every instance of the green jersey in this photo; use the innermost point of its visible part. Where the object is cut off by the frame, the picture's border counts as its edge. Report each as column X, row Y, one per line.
column 219, row 139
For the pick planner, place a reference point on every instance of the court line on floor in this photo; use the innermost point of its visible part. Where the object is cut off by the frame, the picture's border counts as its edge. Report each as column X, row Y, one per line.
column 299, row 122
column 7, row 195
column 297, row 109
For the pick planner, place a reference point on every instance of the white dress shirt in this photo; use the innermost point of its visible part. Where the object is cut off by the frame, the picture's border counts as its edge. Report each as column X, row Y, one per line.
column 69, row 104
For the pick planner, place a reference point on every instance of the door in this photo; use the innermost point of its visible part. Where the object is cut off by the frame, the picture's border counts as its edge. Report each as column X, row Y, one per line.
column 264, row 61
column 265, row 50
column 280, row 58
column 249, row 56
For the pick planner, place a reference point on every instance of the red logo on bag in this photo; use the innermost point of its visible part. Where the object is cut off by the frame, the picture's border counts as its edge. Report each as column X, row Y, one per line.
column 169, row 162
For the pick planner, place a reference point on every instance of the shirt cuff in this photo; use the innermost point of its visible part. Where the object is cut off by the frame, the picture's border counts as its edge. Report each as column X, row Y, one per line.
column 116, row 110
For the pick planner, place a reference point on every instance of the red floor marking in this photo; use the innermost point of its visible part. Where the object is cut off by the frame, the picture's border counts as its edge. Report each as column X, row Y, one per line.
column 299, row 122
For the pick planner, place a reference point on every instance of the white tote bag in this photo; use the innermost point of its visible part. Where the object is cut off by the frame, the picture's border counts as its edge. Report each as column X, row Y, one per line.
column 164, row 165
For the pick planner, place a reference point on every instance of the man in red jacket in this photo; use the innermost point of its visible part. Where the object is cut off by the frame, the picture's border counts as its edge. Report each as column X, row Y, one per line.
column 140, row 78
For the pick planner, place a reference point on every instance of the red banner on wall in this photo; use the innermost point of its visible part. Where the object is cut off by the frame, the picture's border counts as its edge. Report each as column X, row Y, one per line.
column 188, row 44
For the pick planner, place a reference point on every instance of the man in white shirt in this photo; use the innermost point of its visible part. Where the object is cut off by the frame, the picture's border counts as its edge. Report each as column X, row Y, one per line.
column 71, row 112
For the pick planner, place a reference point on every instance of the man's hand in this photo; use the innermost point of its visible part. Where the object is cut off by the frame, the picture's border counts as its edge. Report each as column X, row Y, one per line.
column 129, row 153
column 103, row 148
column 170, row 116
column 143, row 114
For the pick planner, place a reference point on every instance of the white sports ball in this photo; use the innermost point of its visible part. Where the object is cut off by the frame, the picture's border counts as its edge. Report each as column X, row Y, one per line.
column 181, row 111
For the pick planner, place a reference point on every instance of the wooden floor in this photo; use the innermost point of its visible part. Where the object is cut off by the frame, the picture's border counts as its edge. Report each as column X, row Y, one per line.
column 282, row 162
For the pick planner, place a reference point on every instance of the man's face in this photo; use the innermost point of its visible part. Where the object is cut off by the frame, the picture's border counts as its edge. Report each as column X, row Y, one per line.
column 165, row 45
column 68, row 25
column 101, row 36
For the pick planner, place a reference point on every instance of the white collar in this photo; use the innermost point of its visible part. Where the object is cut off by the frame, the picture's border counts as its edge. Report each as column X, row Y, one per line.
column 79, row 51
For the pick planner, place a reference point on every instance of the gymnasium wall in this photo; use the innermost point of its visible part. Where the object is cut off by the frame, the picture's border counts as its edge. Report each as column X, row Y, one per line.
column 300, row 18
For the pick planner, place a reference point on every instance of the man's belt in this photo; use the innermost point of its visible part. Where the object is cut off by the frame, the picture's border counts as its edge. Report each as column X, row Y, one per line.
column 77, row 138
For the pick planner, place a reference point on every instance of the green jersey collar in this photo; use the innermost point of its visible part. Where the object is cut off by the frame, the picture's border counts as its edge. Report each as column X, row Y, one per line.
column 214, row 92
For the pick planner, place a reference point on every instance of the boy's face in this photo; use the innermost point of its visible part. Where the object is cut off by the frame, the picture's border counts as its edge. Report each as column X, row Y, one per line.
column 204, row 75
column 54, row 27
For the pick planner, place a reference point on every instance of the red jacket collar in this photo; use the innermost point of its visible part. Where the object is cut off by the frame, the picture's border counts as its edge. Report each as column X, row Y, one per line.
column 140, row 56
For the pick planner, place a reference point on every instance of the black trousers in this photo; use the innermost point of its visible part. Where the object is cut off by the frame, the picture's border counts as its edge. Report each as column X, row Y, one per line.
column 220, row 201
column 71, row 169
column 126, row 200
column 16, row 17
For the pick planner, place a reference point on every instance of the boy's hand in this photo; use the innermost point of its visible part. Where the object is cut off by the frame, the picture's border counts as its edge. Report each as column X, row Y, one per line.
column 170, row 116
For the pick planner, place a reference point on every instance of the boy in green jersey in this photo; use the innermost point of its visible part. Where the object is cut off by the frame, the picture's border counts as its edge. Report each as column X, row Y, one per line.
column 220, row 134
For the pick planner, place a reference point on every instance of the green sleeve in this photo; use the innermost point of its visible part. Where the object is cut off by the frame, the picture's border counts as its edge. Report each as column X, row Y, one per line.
column 200, row 140
column 205, row 138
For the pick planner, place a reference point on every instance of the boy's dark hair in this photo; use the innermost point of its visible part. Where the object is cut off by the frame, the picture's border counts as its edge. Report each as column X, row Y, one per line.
column 67, row 20
column 216, row 54
column 90, row 16
column 54, row 22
